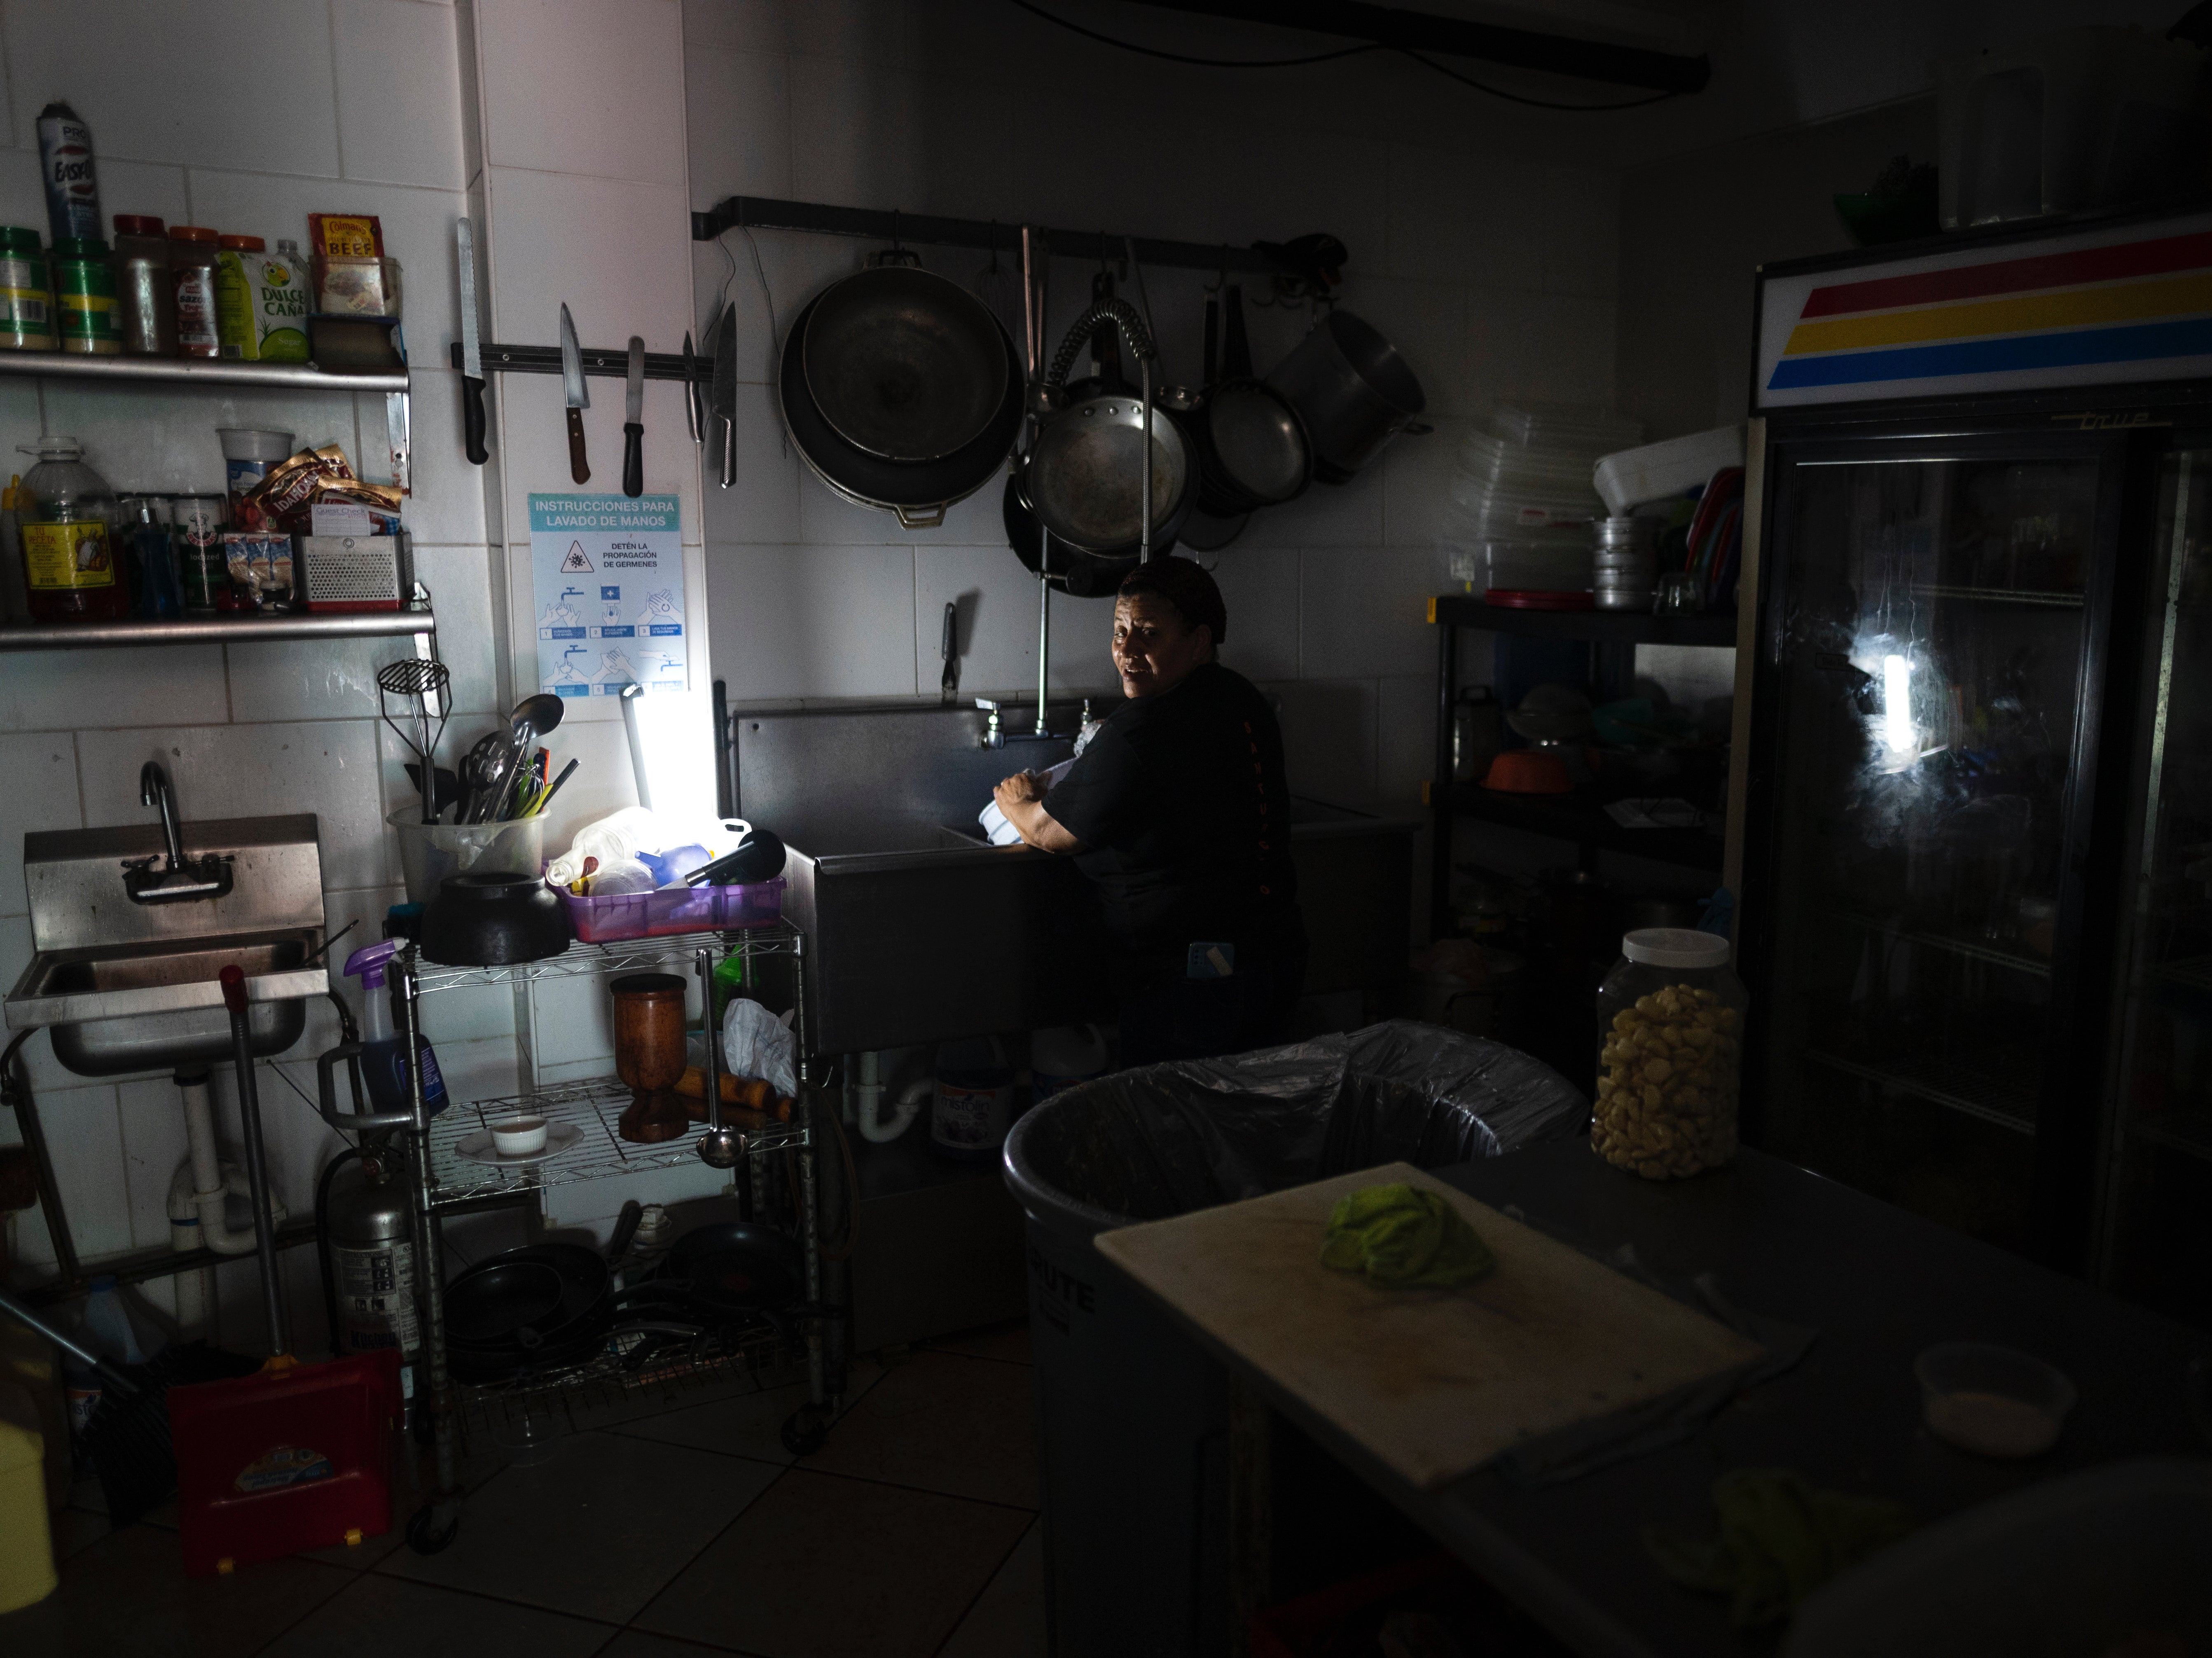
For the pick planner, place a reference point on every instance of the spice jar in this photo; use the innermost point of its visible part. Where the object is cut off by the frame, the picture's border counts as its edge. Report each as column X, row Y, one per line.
column 192, row 279
column 145, row 304
column 27, row 305
column 84, row 297
column 1670, row 1027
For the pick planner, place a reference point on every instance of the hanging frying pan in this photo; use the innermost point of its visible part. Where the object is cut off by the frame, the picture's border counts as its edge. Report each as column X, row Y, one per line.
column 903, row 364
column 1086, row 477
column 1252, row 446
column 919, row 492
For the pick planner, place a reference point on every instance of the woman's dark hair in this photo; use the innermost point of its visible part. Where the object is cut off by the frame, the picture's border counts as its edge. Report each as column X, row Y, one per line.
column 1185, row 585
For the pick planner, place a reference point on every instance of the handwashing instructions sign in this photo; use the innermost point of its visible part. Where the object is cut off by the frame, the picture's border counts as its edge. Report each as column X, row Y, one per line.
column 609, row 576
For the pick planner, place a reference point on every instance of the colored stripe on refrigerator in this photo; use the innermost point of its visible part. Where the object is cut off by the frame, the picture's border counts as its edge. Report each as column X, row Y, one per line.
column 2083, row 308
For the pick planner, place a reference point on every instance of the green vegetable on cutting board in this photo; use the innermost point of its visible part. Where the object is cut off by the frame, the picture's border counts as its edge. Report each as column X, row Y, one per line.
column 1779, row 1538
column 1405, row 1238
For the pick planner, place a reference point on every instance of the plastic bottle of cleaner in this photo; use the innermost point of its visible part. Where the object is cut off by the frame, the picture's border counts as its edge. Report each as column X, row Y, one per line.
column 108, row 1327
column 1060, row 1055
column 383, row 1062
column 975, row 1103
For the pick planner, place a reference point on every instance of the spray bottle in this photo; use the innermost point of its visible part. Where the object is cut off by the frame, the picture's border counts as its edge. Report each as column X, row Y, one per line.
column 383, row 1062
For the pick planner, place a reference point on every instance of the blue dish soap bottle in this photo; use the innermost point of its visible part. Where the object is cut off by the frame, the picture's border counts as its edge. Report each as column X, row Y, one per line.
column 383, row 1064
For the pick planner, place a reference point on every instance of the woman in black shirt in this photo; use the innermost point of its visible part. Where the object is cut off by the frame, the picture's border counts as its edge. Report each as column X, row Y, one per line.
column 1178, row 812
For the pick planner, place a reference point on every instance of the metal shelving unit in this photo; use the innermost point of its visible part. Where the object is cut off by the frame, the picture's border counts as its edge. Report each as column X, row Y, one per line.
column 227, row 631
column 593, row 1107
column 444, row 1183
column 215, row 630
column 1581, row 820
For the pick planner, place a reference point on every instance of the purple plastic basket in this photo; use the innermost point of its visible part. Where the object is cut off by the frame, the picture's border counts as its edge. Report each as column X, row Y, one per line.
column 676, row 909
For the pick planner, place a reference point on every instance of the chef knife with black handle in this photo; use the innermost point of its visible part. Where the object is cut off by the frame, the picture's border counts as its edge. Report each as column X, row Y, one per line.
column 473, row 373
column 579, row 397
column 634, row 422
column 949, row 686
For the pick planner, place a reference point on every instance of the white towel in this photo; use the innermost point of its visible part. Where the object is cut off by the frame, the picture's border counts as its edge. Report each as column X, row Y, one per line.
column 994, row 823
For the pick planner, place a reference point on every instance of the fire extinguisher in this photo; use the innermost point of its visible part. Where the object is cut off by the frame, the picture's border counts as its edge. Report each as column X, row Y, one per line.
column 364, row 1228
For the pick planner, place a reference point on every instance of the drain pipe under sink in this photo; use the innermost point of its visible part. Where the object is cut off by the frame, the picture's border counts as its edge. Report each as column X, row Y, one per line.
column 870, row 1092
column 202, row 1182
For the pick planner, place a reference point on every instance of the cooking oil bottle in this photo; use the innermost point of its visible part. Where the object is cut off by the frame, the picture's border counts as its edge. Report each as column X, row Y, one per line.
column 67, row 523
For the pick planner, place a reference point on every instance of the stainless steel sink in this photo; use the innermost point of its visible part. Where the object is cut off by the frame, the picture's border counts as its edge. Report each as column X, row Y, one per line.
column 919, row 930
column 122, row 985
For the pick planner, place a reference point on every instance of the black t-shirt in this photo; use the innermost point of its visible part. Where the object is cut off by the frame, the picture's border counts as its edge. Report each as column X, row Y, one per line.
column 1180, row 803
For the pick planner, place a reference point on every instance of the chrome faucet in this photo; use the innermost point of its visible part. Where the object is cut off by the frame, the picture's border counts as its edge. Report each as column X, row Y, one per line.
column 182, row 877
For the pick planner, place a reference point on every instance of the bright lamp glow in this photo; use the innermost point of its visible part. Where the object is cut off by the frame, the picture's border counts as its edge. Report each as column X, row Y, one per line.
column 672, row 735
column 1896, row 727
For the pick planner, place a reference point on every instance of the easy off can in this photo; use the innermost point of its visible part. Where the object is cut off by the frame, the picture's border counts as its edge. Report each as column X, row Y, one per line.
column 72, row 190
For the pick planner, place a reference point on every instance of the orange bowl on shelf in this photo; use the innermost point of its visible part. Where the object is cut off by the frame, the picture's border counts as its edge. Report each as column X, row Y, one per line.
column 1528, row 772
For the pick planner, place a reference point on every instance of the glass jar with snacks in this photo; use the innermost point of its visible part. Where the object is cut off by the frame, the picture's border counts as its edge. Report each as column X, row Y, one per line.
column 84, row 297
column 145, row 302
column 69, row 516
column 1670, row 1029
column 191, row 277
column 26, row 303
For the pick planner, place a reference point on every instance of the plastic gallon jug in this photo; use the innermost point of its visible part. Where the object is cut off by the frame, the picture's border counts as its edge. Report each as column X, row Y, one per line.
column 1061, row 1055
column 975, row 1103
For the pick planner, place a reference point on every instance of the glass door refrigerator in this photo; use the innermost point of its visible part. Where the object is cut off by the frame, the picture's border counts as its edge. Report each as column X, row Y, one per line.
column 1975, row 858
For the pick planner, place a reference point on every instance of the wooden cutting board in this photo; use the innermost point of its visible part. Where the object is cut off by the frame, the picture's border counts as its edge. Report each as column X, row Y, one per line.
column 1434, row 1382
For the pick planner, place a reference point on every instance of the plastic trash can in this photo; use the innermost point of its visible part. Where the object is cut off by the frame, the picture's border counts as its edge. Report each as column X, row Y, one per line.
column 1131, row 1416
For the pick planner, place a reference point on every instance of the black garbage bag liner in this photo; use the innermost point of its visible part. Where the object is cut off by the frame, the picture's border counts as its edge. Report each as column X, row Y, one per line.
column 1167, row 1139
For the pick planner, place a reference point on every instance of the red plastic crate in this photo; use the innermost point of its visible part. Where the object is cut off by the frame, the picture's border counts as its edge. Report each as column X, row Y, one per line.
column 280, row 1462
column 676, row 909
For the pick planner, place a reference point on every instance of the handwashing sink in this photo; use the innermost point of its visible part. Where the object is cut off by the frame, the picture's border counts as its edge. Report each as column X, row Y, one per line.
column 123, row 986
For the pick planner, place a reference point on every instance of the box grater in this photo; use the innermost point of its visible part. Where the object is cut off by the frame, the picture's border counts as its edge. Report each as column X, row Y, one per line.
column 349, row 572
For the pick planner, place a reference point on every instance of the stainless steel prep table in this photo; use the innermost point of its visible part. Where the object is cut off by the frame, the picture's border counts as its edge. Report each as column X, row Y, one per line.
column 1880, row 1283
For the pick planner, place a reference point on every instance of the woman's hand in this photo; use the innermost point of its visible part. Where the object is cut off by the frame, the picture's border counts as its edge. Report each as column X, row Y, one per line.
column 1018, row 790
column 1021, row 798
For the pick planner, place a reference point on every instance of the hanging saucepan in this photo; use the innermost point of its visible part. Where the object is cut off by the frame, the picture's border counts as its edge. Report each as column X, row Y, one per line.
column 903, row 363
column 1086, row 477
column 918, row 492
column 1352, row 389
column 1252, row 447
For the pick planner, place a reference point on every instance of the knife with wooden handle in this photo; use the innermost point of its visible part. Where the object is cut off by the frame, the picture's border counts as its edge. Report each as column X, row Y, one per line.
column 579, row 395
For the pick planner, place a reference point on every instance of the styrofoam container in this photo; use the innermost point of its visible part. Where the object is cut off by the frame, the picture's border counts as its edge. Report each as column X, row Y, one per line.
column 1633, row 476
column 2072, row 1564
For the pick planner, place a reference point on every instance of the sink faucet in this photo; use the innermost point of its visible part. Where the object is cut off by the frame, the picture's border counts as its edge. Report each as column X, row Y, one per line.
column 183, row 877
column 154, row 788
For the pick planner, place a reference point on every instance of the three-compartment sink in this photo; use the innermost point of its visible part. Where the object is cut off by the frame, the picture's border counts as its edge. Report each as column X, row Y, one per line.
column 123, row 986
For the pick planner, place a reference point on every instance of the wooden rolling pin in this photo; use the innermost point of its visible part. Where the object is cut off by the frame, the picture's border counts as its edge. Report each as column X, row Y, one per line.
column 751, row 1093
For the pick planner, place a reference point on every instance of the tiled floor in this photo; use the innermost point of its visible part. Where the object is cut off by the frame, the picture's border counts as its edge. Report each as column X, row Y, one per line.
column 912, row 1533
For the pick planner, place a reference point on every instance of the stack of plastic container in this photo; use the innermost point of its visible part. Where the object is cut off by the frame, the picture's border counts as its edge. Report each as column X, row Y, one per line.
column 1522, row 503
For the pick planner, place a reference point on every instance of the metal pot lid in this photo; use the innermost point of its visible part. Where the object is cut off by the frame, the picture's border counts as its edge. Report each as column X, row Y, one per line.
column 905, row 364
column 1085, row 476
column 1259, row 442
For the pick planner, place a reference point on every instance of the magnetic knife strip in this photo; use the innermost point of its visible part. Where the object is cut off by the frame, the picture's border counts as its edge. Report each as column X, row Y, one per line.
column 605, row 365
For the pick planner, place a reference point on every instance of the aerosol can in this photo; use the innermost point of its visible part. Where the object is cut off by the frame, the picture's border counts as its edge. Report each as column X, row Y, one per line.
column 369, row 1226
